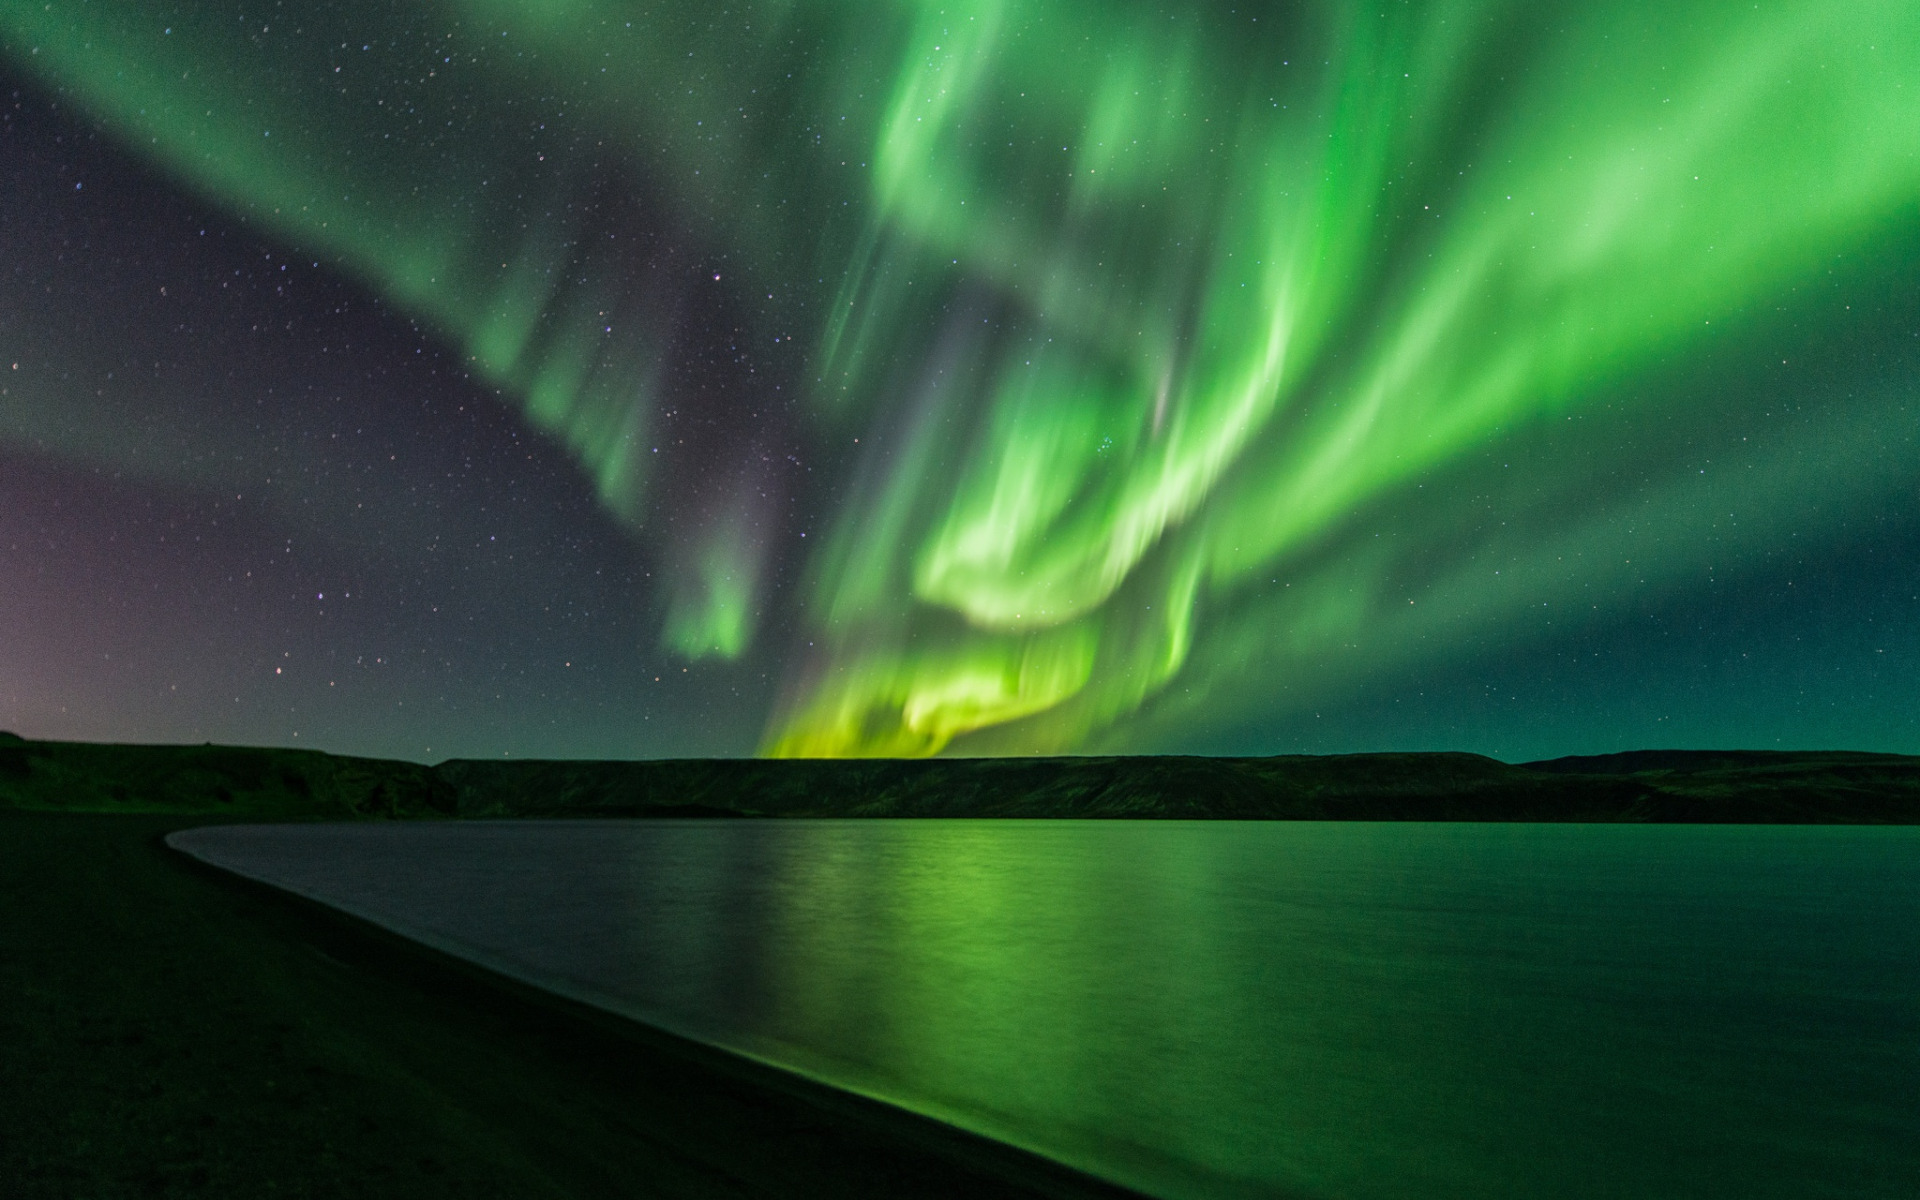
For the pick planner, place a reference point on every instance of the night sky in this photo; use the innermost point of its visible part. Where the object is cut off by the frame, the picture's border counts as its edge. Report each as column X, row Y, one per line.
column 624, row 379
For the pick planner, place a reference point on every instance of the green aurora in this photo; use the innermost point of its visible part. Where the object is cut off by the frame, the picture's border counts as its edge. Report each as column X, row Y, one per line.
column 1203, row 361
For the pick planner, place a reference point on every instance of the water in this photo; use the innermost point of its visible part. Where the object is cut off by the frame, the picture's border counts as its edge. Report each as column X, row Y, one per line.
column 1227, row 1009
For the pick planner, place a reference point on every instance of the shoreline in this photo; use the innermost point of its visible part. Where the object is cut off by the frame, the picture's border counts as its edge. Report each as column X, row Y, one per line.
column 154, row 984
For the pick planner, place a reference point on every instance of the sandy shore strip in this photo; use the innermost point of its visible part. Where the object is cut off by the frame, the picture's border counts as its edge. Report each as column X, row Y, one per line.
column 174, row 1030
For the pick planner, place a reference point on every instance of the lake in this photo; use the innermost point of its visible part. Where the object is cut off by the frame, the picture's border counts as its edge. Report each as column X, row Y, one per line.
column 1232, row 1008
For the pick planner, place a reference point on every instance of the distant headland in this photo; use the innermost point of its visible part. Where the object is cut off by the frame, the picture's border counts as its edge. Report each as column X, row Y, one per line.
column 251, row 783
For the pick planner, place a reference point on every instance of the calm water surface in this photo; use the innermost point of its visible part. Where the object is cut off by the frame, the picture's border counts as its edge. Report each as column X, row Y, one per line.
column 1225, row 1008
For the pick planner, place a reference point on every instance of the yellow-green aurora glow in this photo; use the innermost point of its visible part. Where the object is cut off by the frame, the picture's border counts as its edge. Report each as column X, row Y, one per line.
column 1202, row 358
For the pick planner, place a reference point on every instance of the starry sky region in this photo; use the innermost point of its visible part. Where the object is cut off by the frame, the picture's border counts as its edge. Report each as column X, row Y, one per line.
column 617, row 380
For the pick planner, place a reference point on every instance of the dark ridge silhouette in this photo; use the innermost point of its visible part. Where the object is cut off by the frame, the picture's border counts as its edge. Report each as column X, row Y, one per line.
column 246, row 783
column 1631, row 762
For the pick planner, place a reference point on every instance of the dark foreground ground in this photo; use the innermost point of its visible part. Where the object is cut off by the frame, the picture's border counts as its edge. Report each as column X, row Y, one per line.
column 167, row 1030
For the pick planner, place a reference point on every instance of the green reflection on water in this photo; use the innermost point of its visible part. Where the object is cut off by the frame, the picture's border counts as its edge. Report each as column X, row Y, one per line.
column 1345, row 1010
column 1369, row 1011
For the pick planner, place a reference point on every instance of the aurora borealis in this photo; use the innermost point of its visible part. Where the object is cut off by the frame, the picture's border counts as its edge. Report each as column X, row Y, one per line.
column 584, row 377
